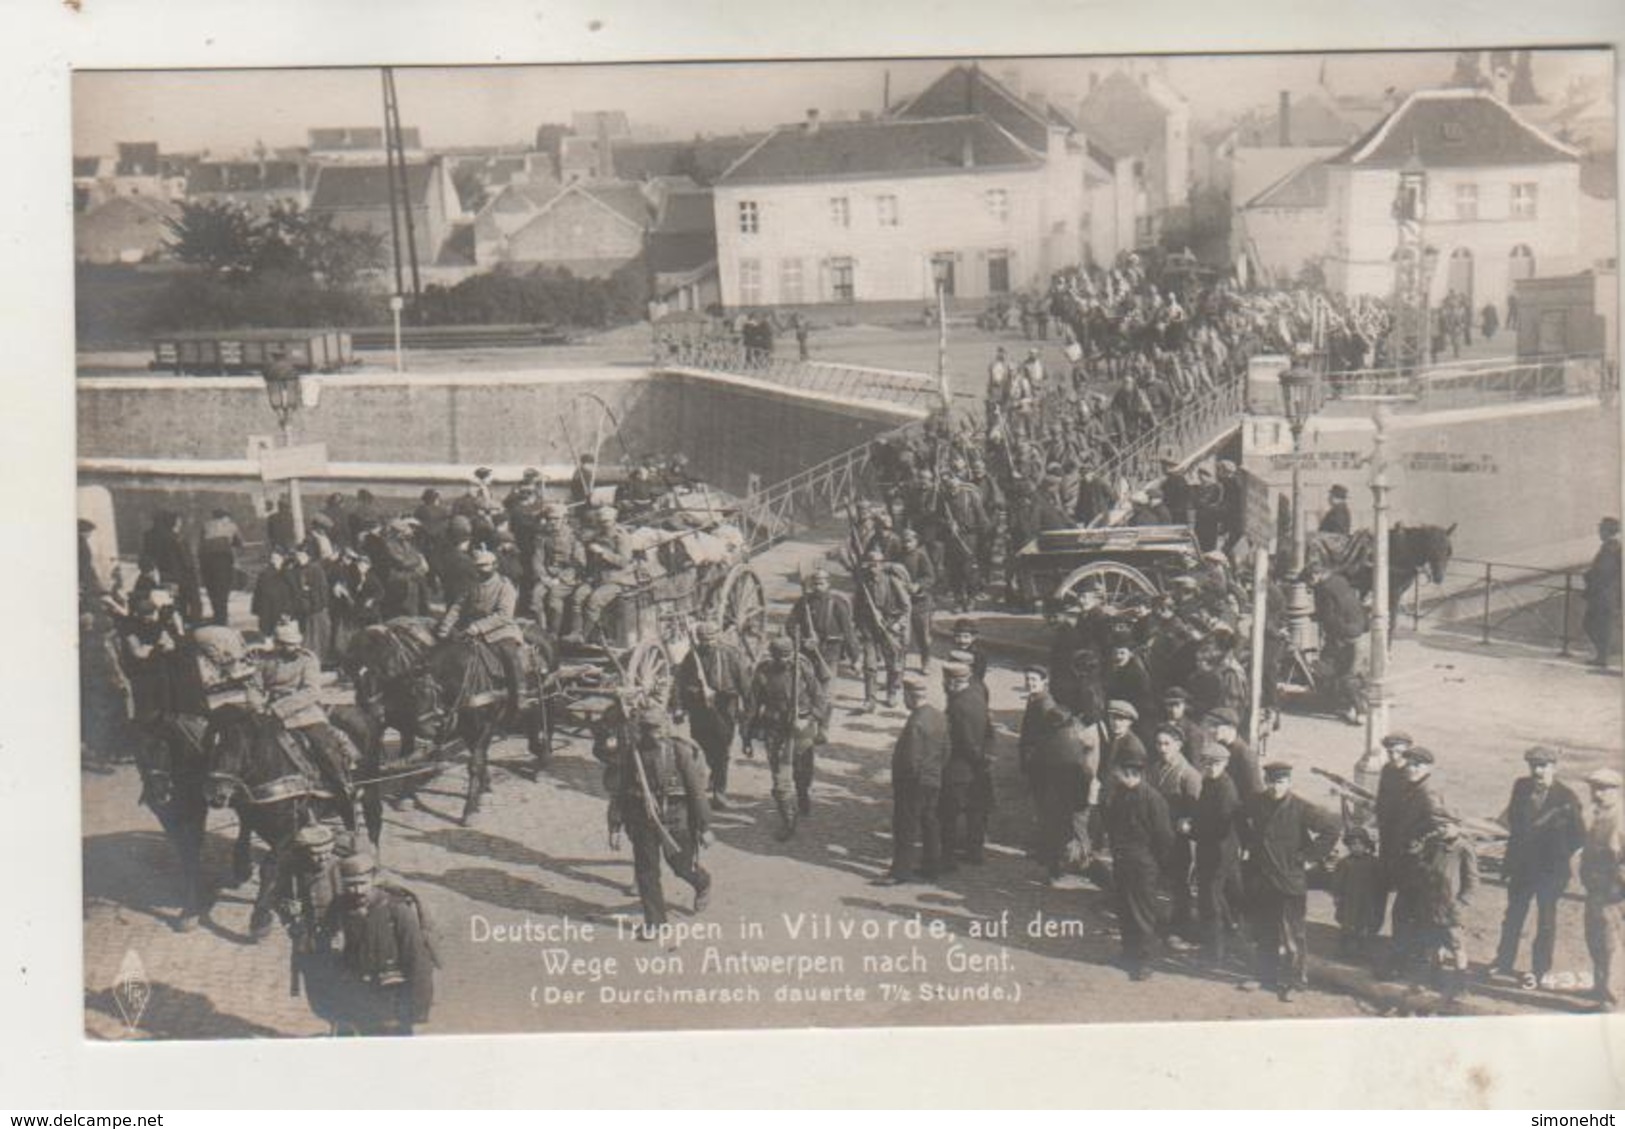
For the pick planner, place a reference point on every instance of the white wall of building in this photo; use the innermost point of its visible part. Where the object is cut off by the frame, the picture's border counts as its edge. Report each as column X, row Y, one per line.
column 797, row 235
column 1364, row 233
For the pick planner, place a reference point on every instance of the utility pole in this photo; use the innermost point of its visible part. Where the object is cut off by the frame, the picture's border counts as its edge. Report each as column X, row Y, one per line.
column 942, row 347
column 1376, row 723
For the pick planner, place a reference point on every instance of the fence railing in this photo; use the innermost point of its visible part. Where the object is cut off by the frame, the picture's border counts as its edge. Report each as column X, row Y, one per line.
column 1470, row 384
column 1496, row 602
column 910, row 389
column 1190, row 428
column 812, row 494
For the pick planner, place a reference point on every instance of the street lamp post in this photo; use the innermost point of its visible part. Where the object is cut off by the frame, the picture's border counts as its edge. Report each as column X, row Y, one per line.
column 1377, row 683
column 1299, row 393
column 282, row 390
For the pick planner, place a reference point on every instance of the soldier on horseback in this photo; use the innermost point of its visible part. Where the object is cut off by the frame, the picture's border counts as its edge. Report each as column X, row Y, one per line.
column 485, row 611
column 290, row 677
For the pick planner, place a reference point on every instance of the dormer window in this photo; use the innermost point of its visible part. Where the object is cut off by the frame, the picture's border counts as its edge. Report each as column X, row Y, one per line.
column 1452, row 131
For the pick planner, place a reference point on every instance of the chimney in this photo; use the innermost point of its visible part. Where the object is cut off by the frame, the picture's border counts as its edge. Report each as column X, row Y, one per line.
column 1283, row 120
column 812, row 121
column 606, row 156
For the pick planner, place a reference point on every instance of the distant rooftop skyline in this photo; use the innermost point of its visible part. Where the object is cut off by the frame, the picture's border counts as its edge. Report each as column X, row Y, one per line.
column 233, row 110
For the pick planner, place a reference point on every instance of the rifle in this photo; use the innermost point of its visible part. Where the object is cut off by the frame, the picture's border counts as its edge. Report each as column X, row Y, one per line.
column 699, row 664
column 630, row 748
column 795, row 676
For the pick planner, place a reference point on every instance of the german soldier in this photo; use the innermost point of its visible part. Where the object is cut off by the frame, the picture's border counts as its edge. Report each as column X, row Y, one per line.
column 556, row 562
column 608, row 570
column 485, row 611
column 922, row 579
column 290, row 676
column 786, row 701
column 882, row 619
column 387, row 953
column 658, row 796
column 916, row 777
column 1547, row 828
column 822, row 619
column 711, row 684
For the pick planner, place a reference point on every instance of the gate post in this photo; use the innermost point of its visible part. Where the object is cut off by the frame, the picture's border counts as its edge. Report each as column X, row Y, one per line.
column 1489, row 576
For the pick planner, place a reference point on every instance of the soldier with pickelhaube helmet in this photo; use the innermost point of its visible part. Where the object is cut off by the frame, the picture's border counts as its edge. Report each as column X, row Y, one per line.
column 388, row 957
column 787, row 703
column 658, row 786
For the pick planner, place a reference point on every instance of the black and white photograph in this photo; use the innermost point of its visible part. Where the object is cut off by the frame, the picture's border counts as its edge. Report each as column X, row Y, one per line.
column 930, row 541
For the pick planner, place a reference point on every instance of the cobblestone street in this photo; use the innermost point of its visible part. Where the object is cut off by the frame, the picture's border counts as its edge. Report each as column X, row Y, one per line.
column 1008, row 949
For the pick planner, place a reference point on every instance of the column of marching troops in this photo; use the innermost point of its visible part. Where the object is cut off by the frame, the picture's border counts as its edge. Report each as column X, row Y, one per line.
column 147, row 645
column 1129, row 746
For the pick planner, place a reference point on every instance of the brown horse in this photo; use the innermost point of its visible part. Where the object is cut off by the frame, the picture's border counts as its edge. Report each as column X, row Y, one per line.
column 449, row 693
column 259, row 768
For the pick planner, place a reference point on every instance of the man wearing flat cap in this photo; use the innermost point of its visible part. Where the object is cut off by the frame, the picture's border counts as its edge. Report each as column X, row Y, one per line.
column 1121, row 740
column 1413, row 815
column 658, row 796
column 1059, row 758
column 1284, row 833
column 916, row 780
column 967, row 779
column 1389, row 786
column 1546, row 827
column 1141, row 837
column 1223, row 727
column 1602, row 593
column 1602, row 873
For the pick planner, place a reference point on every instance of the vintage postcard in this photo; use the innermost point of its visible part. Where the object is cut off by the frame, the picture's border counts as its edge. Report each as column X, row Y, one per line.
column 927, row 541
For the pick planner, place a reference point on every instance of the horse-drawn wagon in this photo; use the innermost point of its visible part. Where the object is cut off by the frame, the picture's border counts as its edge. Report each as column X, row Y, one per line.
column 1124, row 565
column 691, row 564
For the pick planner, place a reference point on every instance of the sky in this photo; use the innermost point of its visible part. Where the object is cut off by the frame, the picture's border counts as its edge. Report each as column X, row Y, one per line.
column 232, row 110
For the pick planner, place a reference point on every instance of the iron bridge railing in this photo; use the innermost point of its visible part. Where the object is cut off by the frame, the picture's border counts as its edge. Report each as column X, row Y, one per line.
column 1469, row 384
column 909, row 389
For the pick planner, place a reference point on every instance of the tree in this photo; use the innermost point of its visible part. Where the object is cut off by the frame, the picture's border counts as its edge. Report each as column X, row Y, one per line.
column 216, row 235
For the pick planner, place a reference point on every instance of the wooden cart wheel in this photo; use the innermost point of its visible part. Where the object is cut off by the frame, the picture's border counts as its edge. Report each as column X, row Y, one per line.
column 1117, row 583
column 744, row 609
column 650, row 672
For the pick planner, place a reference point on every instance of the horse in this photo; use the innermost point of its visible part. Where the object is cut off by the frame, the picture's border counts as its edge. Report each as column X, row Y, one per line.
column 1412, row 550
column 257, row 767
column 174, row 773
column 447, row 691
